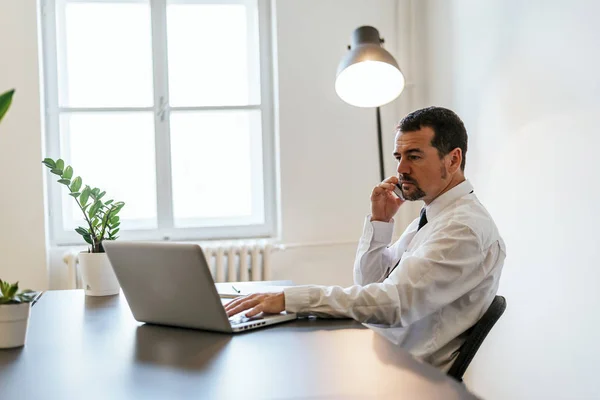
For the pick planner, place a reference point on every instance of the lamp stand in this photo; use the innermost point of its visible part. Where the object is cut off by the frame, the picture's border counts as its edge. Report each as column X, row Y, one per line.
column 380, row 144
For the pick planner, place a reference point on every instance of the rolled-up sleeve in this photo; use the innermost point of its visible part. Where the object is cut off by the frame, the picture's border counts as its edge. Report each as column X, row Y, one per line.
column 445, row 267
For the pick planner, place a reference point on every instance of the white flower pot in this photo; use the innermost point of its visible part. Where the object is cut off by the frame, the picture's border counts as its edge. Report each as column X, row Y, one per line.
column 97, row 275
column 13, row 324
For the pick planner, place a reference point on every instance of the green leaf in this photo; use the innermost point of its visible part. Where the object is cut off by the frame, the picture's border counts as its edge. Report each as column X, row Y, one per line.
column 75, row 194
column 94, row 209
column 12, row 291
column 48, row 162
column 8, row 292
column 68, row 173
column 84, row 196
column 96, row 191
column 57, row 171
column 60, row 164
column 82, row 231
column 76, row 184
column 25, row 297
column 108, row 202
column 113, row 226
column 5, row 102
column 3, row 287
column 88, row 239
column 101, row 195
column 118, row 207
column 65, row 181
column 115, row 232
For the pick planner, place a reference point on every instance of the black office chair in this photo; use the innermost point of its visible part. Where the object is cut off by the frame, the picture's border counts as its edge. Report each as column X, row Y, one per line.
column 475, row 337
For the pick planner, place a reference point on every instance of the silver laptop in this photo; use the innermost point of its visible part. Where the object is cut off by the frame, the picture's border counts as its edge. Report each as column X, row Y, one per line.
column 171, row 284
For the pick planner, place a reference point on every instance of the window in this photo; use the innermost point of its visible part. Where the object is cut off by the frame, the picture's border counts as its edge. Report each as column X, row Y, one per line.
column 167, row 106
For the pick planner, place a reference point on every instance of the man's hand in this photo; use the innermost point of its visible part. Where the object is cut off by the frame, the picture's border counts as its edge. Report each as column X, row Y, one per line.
column 384, row 203
column 270, row 303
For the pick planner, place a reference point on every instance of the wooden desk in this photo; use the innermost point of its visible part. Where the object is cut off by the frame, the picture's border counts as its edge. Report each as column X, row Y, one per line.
column 91, row 348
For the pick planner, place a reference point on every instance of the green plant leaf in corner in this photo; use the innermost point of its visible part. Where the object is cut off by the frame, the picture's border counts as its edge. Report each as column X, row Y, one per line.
column 5, row 102
column 85, row 195
column 60, row 164
column 68, row 173
column 65, row 181
column 94, row 209
column 48, row 162
column 3, row 287
column 76, row 184
column 12, row 290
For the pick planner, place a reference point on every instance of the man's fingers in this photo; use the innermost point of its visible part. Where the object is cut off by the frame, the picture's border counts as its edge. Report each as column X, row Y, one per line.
column 255, row 311
column 244, row 305
column 235, row 302
column 387, row 186
column 238, row 300
column 382, row 189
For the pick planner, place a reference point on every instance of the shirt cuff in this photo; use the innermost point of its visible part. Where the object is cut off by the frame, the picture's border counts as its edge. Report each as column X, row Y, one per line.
column 382, row 231
column 296, row 298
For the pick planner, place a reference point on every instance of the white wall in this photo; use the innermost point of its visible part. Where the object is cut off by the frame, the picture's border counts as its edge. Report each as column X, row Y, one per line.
column 22, row 230
column 524, row 77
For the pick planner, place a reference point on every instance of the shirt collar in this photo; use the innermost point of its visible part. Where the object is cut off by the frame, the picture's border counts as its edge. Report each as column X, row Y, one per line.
column 441, row 202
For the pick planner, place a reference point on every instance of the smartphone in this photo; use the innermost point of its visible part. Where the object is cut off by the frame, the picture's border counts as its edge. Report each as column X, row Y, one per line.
column 398, row 191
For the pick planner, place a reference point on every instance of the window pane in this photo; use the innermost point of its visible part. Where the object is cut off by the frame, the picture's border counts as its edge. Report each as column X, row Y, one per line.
column 115, row 152
column 217, row 168
column 105, row 54
column 213, row 54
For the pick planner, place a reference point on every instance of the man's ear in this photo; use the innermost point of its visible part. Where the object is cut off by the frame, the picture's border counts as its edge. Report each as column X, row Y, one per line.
column 455, row 159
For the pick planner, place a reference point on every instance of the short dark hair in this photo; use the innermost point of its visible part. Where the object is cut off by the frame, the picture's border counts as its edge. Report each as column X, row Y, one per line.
column 449, row 131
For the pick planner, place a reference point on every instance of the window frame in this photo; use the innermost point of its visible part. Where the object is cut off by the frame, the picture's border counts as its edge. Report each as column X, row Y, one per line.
column 161, row 110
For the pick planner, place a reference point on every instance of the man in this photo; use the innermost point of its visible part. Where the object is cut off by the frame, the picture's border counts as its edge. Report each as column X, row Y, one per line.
column 427, row 289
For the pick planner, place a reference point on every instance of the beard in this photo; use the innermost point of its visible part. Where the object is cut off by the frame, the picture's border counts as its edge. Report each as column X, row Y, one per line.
column 412, row 195
column 417, row 193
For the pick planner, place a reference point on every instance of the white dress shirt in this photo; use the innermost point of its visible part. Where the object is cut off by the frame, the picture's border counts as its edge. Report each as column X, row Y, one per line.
column 446, row 279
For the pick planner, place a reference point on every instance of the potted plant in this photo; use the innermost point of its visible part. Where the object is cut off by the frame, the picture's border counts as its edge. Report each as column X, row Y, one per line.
column 102, row 222
column 14, row 314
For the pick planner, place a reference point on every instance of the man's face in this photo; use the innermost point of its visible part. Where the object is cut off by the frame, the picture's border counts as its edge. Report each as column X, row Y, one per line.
column 421, row 172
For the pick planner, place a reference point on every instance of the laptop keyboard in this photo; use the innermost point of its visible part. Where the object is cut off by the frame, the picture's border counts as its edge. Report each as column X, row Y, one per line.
column 241, row 318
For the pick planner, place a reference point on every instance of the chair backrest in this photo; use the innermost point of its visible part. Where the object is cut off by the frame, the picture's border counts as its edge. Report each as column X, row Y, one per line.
column 476, row 335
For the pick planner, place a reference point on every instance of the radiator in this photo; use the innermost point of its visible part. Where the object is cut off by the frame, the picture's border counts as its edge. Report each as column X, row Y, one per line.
column 228, row 262
column 239, row 262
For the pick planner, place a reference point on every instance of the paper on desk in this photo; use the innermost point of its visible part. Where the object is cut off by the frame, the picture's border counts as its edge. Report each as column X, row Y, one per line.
column 227, row 291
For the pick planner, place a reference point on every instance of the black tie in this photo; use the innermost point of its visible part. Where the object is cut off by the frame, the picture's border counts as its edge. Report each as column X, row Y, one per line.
column 423, row 220
column 422, row 223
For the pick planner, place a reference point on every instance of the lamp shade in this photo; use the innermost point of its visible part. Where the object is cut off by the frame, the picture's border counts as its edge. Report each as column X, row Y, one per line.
column 368, row 75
